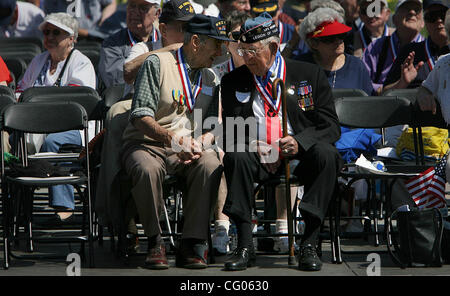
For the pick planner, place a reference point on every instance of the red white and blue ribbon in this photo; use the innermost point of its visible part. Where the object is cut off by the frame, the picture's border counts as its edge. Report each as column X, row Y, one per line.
column 363, row 40
column 430, row 59
column 190, row 93
column 392, row 46
column 155, row 36
column 281, row 30
column 131, row 39
column 264, row 84
column 230, row 65
column 272, row 106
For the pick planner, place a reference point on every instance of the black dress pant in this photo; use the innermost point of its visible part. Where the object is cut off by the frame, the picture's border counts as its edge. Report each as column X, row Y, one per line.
column 317, row 171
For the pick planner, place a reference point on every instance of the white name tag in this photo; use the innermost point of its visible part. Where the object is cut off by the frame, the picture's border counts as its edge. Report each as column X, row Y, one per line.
column 243, row 97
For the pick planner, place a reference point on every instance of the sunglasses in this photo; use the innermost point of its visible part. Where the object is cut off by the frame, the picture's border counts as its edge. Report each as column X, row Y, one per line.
column 433, row 16
column 55, row 32
column 332, row 38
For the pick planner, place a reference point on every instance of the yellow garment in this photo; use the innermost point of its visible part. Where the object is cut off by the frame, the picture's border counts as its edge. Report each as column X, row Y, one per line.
column 435, row 141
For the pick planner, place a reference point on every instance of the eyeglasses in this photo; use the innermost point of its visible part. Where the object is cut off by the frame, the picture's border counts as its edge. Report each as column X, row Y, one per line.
column 433, row 16
column 332, row 38
column 55, row 32
column 249, row 52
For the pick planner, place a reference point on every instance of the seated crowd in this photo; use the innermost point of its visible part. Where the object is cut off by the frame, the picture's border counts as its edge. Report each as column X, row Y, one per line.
column 183, row 64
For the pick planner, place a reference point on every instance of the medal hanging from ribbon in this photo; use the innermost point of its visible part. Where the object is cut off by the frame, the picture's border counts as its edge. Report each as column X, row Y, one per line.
column 271, row 105
column 392, row 46
column 190, row 92
column 430, row 59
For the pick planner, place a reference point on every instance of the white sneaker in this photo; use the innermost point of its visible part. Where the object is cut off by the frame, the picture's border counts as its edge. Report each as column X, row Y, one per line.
column 221, row 241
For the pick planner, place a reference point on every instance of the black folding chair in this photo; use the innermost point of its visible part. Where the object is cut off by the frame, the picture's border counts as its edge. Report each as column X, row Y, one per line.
column 112, row 95
column 348, row 92
column 375, row 112
column 44, row 118
column 17, row 66
column 22, row 41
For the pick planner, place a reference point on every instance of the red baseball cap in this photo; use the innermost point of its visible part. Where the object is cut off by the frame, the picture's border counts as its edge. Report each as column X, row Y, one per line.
column 328, row 29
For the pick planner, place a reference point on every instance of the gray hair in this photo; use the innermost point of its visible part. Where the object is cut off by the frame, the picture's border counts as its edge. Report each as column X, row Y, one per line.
column 327, row 4
column 315, row 18
column 447, row 23
column 61, row 19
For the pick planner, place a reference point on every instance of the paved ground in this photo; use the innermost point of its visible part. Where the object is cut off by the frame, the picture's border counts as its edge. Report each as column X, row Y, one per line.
column 107, row 264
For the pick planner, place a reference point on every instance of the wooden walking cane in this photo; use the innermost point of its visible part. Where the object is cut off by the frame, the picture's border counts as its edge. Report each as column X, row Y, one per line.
column 290, row 220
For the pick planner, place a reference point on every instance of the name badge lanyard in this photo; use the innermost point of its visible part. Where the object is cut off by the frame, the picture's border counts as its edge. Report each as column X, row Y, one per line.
column 190, row 92
column 271, row 105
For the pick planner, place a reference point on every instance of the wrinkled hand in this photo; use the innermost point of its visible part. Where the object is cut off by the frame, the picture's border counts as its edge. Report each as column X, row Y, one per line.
column 408, row 70
column 268, row 156
column 288, row 146
column 426, row 101
column 191, row 151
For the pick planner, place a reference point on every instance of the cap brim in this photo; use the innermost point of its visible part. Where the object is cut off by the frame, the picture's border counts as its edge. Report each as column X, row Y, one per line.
column 335, row 28
column 57, row 24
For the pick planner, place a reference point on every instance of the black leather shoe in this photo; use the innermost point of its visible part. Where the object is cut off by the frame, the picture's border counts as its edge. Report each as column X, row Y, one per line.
column 308, row 259
column 241, row 259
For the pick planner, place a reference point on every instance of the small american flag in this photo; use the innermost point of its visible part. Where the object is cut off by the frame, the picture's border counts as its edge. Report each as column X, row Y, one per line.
column 428, row 189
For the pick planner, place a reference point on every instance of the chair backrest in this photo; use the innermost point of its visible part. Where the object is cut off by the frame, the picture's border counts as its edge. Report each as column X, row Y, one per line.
column 113, row 94
column 44, row 118
column 26, row 56
column 83, row 95
column 407, row 93
column 17, row 66
column 4, row 90
column 348, row 92
column 20, row 41
column 373, row 111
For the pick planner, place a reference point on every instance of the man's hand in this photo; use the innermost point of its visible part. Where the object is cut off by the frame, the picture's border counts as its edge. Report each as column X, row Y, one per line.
column 426, row 100
column 191, row 150
column 408, row 70
column 288, row 146
column 268, row 155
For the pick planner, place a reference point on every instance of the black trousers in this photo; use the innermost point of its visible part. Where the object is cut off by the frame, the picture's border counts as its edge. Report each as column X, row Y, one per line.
column 317, row 171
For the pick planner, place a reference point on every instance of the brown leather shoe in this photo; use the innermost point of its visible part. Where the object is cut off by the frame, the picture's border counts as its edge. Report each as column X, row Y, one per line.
column 156, row 258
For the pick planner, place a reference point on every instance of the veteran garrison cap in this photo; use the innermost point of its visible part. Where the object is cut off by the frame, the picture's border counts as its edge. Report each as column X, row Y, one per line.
column 258, row 28
column 208, row 25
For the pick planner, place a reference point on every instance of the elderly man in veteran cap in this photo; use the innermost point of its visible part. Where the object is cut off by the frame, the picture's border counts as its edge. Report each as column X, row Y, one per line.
column 312, row 127
column 169, row 87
